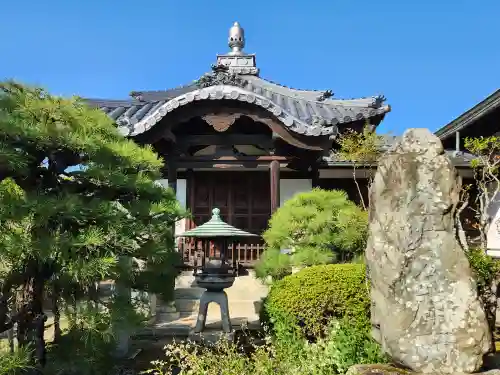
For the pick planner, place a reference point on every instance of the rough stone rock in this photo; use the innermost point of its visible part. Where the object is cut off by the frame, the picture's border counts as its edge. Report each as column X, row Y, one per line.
column 425, row 307
column 377, row 369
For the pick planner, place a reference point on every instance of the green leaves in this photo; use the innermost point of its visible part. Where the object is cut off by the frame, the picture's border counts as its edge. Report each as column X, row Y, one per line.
column 361, row 148
column 75, row 197
column 487, row 181
column 319, row 227
column 317, row 293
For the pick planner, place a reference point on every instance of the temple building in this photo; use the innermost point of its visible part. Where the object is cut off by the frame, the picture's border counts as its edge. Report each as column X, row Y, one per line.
column 482, row 120
column 241, row 143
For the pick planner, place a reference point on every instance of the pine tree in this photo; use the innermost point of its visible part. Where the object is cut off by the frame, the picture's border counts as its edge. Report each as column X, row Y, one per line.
column 76, row 198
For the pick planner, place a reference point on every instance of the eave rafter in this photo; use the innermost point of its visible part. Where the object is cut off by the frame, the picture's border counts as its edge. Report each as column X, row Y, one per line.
column 226, row 115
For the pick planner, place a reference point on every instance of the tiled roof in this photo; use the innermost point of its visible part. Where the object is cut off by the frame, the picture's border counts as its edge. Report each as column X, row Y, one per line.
column 471, row 116
column 305, row 112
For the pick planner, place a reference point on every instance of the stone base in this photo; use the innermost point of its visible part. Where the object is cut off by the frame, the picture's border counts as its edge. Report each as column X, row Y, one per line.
column 167, row 312
column 167, row 316
column 210, row 337
column 168, row 307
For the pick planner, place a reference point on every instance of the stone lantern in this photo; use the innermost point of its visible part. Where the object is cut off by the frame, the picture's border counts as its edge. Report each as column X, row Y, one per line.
column 216, row 273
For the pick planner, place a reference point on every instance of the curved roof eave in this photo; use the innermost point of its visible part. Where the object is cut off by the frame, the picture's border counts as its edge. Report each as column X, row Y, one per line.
column 317, row 127
column 226, row 92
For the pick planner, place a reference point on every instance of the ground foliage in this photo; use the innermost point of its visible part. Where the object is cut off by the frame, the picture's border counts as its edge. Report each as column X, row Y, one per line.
column 76, row 200
column 344, row 345
column 317, row 227
column 319, row 326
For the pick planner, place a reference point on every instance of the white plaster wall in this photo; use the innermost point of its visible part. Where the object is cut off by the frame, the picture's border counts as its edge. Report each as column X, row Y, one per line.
column 493, row 235
column 181, row 196
column 292, row 186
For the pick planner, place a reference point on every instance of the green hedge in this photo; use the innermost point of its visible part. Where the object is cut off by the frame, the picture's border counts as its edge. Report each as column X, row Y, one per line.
column 309, row 298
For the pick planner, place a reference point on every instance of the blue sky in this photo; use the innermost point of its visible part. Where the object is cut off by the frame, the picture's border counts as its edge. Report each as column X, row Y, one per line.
column 432, row 59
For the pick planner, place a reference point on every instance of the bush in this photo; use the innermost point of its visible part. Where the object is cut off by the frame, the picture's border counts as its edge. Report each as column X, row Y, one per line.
column 487, row 272
column 319, row 227
column 346, row 344
column 273, row 263
column 312, row 296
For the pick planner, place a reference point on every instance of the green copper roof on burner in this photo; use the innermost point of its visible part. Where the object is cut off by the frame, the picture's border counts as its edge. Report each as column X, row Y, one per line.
column 216, row 227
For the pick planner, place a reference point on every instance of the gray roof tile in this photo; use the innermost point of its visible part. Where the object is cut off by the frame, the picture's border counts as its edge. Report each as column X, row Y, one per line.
column 306, row 112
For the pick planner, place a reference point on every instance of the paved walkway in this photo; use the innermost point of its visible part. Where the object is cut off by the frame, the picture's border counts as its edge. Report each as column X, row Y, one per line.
column 244, row 297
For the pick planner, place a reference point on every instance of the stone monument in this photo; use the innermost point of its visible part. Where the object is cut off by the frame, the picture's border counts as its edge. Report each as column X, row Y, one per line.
column 425, row 308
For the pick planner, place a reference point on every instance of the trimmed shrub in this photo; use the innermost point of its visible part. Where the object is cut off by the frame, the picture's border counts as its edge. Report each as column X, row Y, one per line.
column 318, row 227
column 487, row 272
column 310, row 298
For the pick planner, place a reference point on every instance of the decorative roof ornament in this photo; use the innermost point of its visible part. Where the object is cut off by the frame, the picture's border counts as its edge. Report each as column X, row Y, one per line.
column 236, row 40
column 237, row 61
column 220, row 75
column 325, row 95
column 378, row 101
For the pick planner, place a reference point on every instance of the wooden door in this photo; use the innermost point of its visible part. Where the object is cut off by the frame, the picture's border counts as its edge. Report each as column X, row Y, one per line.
column 244, row 201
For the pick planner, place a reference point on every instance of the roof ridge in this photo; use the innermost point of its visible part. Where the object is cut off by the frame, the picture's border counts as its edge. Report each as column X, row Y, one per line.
column 111, row 102
column 182, row 86
column 378, row 99
column 291, row 88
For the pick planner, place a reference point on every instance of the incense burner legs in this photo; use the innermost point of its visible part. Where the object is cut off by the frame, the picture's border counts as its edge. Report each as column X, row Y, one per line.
column 220, row 298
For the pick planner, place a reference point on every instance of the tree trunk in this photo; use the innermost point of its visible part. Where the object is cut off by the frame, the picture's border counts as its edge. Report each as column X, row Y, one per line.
column 56, row 311
column 461, row 236
column 39, row 318
column 23, row 323
column 362, row 200
column 10, row 337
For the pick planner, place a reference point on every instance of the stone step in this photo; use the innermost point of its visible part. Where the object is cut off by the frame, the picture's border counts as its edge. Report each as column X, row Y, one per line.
column 187, row 304
column 188, row 293
column 246, row 293
column 242, row 307
column 181, row 328
column 167, row 316
column 242, row 284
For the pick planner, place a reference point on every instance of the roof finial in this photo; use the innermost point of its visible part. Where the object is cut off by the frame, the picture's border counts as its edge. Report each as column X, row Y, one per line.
column 236, row 39
column 215, row 213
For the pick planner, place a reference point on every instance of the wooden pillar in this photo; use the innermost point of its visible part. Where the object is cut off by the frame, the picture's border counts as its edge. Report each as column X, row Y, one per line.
column 315, row 176
column 172, row 173
column 274, row 168
column 190, row 183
